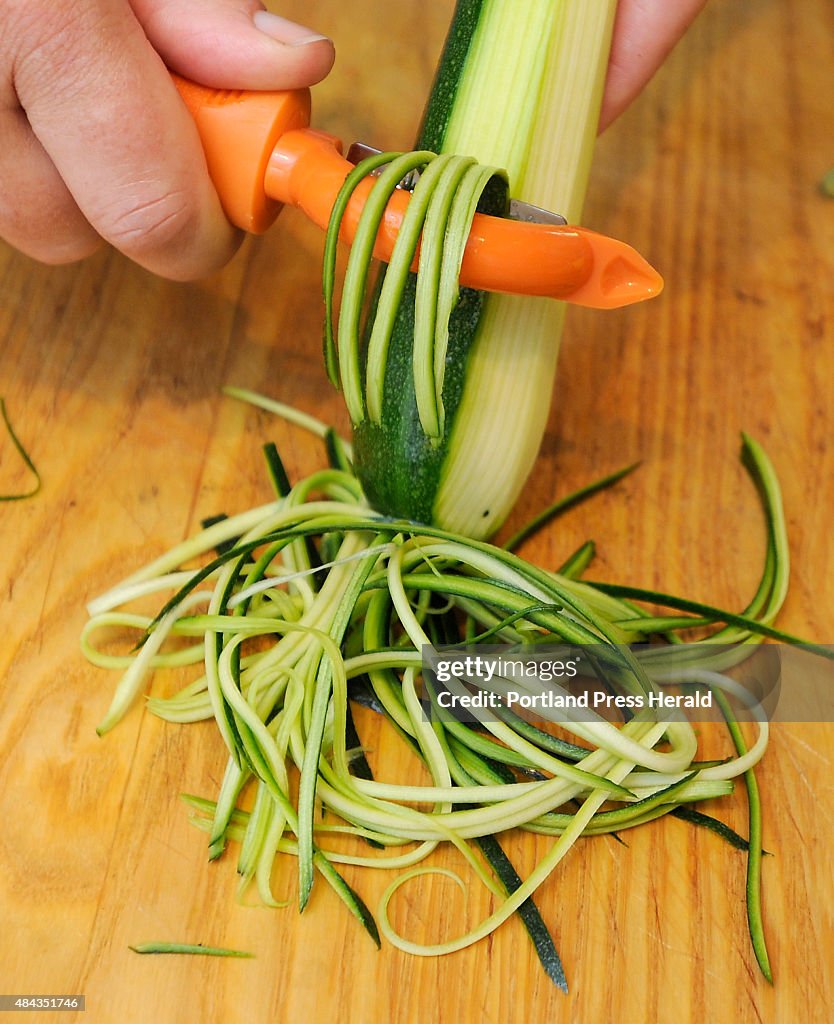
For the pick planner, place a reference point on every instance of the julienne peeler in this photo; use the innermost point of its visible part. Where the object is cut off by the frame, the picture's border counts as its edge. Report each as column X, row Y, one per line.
column 262, row 154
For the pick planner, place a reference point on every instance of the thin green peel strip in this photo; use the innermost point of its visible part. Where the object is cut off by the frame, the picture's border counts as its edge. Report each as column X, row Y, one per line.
column 457, row 231
column 356, row 275
column 331, row 243
column 395, row 279
column 755, row 920
column 193, row 949
column 21, row 451
column 426, row 302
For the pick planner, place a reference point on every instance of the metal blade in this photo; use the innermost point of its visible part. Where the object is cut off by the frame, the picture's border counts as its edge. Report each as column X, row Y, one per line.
column 358, row 152
column 519, row 210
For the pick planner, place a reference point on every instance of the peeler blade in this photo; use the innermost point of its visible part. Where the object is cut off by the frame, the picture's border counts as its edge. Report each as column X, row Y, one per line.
column 519, row 210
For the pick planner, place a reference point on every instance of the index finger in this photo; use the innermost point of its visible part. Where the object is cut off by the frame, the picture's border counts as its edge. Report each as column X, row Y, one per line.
column 104, row 108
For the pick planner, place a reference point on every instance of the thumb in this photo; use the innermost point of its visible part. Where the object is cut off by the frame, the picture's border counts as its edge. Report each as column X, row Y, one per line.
column 234, row 44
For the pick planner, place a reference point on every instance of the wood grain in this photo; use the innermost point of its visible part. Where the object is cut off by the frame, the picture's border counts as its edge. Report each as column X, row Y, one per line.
column 112, row 379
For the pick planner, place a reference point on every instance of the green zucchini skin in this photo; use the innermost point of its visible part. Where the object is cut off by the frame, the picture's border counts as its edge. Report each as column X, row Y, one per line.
column 450, row 69
column 398, row 466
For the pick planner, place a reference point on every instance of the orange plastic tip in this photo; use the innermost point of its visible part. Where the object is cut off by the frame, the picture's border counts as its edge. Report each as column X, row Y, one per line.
column 261, row 155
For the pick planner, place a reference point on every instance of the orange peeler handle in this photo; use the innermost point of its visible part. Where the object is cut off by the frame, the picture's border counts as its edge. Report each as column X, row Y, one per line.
column 239, row 131
column 261, row 154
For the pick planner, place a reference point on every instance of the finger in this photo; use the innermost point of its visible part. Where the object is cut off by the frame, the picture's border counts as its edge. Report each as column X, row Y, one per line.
column 234, row 44
column 103, row 106
column 38, row 215
column 645, row 31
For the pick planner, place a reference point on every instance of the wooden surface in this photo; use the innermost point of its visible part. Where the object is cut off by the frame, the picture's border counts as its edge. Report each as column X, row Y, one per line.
column 112, row 381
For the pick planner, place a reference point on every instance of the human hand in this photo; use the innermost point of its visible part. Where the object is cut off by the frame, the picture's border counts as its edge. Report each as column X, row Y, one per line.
column 644, row 33
column 97, row 145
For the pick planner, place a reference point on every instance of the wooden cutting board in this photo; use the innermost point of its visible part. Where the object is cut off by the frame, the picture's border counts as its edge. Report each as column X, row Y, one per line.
column 112, row 379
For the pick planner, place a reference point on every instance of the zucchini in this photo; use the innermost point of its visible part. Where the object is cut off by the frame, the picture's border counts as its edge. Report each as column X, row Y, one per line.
column 517, row 87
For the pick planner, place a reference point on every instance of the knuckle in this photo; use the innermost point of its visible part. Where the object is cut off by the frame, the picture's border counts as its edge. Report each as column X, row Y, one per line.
column 149, row 225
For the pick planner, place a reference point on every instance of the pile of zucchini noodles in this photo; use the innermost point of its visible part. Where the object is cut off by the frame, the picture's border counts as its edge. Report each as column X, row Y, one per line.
column 313, row 598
